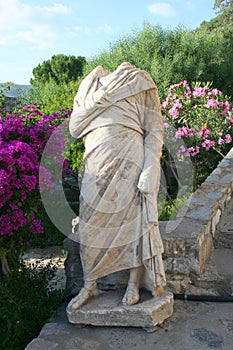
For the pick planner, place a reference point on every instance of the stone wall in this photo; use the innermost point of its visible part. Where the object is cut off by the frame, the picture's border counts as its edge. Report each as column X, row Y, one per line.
column 188, row 240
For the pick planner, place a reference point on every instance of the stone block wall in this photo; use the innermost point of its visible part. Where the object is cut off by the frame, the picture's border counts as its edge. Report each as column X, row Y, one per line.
column 189, row 240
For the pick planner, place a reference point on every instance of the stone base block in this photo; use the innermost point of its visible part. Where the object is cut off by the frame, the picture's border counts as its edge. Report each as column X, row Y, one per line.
column 107, row 310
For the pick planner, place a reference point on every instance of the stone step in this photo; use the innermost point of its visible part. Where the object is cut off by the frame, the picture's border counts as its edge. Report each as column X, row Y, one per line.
column 217, row 278
column 224, row 233
column 40, row 343
column 222, row 259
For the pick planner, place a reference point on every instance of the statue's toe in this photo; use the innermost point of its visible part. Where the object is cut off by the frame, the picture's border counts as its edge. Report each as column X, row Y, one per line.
column 131, row 296
column 83, row 296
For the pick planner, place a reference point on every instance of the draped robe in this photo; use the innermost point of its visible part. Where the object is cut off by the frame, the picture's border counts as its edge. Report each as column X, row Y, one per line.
column 118, row 116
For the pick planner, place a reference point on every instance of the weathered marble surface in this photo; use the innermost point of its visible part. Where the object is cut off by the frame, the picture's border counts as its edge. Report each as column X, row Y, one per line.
column 118, row 115
column 107, row 310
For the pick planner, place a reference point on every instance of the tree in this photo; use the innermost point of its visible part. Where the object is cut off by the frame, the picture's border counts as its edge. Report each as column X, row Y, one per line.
column 173, row 55
column 223, row 5
column 222, row 25
column 59, row 69
column 225, row 10
column 51, row 96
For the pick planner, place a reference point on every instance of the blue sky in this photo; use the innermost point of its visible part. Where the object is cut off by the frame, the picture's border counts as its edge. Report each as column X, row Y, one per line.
column 31, row 31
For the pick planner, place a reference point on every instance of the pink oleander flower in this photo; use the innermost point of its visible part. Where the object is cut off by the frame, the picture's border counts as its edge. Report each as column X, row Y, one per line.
column 192, row 151
column 208, row 144
column 215, row 92
column 183, row 132
column 228, row 138
column 181, row 83
column 188, row 152
column 181, row 150
column 199, row 91
column 177, row 104
column 188, row 92
column 166, row 125
column 221, row 141
column 226, row 106
column 204, row 132
column 212, row 103
column 165, row 104
column 196, row 114
column 173, row 112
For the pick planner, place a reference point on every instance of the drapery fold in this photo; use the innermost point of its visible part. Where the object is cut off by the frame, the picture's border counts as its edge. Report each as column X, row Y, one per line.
column 97, row 92
column 119, row 115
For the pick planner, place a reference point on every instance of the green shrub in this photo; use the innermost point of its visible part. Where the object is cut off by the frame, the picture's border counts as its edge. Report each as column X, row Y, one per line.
column 169, row 209
column 172, row 55
column 26, row 304
column 51, row 96
column 51, row 236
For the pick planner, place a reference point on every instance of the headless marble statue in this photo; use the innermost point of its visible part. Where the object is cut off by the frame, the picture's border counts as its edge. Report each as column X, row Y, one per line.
column 118, row 116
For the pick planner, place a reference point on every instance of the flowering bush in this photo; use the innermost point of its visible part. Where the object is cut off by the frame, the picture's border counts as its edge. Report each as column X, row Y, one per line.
column 23, row 137
column 201, row 117
column 18, row 182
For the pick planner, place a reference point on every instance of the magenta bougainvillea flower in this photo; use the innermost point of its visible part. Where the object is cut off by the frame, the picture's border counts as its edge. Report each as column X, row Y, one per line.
column 23, row 137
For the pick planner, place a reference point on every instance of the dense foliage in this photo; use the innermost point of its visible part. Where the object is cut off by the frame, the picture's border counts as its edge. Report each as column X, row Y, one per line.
column 26, row 304
column 50, row 96
column 174, row 55
column 59, row 69
column 223, row 5
column 204, row 54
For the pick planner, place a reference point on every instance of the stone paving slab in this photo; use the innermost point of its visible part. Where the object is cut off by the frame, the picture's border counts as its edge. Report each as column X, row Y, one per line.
column 41, row 344
column 193, row 326
column 107, row 310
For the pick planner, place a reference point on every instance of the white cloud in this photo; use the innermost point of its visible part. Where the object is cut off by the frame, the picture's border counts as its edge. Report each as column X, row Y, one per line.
column 191, row 3
column 29, row 23
column 12, row 14
column 162, row 8
column 3, row 41
column 90, row 30
column 39, row 36
column 55, row 9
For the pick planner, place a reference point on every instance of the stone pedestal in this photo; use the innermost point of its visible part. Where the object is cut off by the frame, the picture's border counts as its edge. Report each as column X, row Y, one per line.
column 107, row 310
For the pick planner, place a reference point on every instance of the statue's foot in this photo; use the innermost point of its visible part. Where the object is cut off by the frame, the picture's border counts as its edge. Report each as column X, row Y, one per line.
column 131, row 296
column 158, row 291
column 83, row 296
